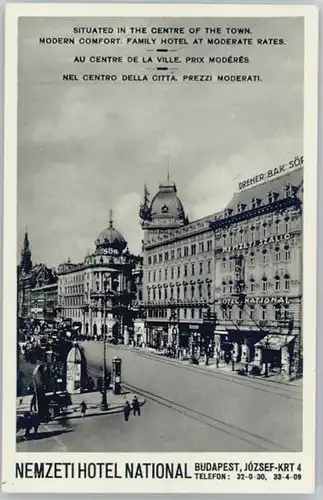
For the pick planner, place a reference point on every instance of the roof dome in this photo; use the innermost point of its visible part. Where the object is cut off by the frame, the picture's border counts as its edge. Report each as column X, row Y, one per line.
column 166, row 203
column 111, row 238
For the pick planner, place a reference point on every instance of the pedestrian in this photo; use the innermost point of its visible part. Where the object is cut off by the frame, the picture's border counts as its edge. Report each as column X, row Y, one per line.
column 136, row 406
column 83, row 408
column 126, row 411
column 33, row 403
column 27, row 423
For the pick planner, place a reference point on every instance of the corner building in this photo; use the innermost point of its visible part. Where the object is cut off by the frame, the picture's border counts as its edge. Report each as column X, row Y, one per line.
column 178, row 274
column 96, row 294
column 258, row 275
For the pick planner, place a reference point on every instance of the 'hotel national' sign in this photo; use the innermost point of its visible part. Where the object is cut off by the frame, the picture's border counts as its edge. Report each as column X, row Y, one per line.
column 256, row 243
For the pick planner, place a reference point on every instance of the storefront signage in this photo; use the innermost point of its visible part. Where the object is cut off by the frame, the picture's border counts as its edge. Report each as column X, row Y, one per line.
column 296, row 162
column 109, row 251
column 253, row 300
column 256, row 243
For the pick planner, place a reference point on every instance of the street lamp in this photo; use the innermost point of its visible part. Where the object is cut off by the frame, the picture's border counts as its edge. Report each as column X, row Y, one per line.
column 104, row 401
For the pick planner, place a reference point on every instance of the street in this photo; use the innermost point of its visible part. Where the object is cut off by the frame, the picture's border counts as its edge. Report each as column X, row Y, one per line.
column 187, row 409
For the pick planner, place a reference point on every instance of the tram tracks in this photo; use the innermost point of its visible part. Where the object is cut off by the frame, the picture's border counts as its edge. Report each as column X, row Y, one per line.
column 286, row 391
column 261, row 443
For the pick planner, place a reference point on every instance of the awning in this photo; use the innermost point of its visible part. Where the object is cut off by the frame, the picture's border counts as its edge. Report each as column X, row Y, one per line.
column 275, row 342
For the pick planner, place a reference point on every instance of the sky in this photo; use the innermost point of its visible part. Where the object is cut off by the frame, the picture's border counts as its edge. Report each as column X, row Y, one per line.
column 84, row 148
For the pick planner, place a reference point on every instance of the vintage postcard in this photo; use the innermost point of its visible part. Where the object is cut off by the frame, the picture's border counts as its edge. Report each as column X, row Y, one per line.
column 160, row 248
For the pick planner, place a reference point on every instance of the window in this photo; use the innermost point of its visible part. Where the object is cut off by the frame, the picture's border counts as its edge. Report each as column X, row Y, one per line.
column 172, row 293
column 149, row 261
column 252, row 312
column 287, row 315
column 178, row 290
column 252, row 234
column 193, row 269
column 277, row 255
column 263, row 312
column 287, row 284
column 154, row 294
column 208, row 291
column 172, row 254
column 201, row 246
column 159, row 275
column 224, row 263
column 209, row 266
column 155, row 259
column 277, row 227
column 201, row 267
column 252, row 259
column 149, row 276
column 287, row 226
column 287, row 253
column 229, row 312
column 264, row 285
column 179, row 253
column 166, row 273
column 185, row 313
column 200, row 314
column 231, row 288
column 277, row 283
column 166, row 256
column 192, row 313
column 166, row 293
column 200, row 291
column 185, row 251
column 252, row 285
column 154, row 275
column 159, row 294
column 209, row 245
column 254, row 203
column 224, row 287
column 172, row 273
column 160, row 257
column 277, row 314
column 241, row 236
column 224, row 241
column 240, row 314
column 193, row 249
column 185, row 270
column 192, row 291
column 185, row 292
column 264, row 231
column 265, row 257
column 178, row 271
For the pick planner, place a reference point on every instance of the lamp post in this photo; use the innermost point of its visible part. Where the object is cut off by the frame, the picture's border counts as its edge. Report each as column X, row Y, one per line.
column 266, row 356
column 104, row 401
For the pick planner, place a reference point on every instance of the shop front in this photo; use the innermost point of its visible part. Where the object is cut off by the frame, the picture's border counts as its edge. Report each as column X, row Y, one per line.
column 274, row 354
column 157, row 336
column 236, row 345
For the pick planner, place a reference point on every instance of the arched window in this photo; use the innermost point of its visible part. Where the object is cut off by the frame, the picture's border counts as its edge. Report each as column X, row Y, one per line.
column 287, row 252
column 192, row 291
column 185, row 292
column 224, row 263
column 231, row 287
column 200, row 291
column 159, row 294
column 208, row 291
column 277, row 254
column 277, row 226
column 277, row 283
column 263, row 312
column 264, row 284
column 148, row 295
column 252, row 312
column 287, row 282
column 252, row 259
column 178, row 292
column 264, row 257
column 224, row 287
column 154, row 294
column 252, row 285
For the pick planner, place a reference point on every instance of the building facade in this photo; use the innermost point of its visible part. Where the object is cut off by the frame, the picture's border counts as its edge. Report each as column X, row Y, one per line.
column 258, row 275
column 97, row 294
column 178, row 273
column 36, row 289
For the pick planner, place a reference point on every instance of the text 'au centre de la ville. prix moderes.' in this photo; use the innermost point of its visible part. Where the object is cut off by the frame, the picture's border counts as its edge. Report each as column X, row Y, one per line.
column 167, row 63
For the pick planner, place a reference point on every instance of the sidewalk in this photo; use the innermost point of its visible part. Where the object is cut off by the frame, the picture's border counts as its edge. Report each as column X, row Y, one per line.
column 222, row 368
column 92, row 400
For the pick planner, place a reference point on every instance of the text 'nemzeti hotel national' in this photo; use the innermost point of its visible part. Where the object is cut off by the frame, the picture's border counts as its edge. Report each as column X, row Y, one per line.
column 229, row 284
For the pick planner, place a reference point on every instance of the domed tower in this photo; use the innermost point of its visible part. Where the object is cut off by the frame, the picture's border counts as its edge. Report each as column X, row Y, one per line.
column 110, row 241
column 164, row 213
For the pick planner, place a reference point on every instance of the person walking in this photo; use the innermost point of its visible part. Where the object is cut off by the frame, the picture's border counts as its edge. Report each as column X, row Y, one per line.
column 83, row 408
column 126, row 411
column 136, row 406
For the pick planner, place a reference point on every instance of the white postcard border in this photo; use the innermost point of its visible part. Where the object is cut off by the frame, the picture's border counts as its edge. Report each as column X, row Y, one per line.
column 9, row 454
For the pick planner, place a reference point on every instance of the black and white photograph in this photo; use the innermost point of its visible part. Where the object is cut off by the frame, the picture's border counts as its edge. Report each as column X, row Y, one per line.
column 159, row 247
